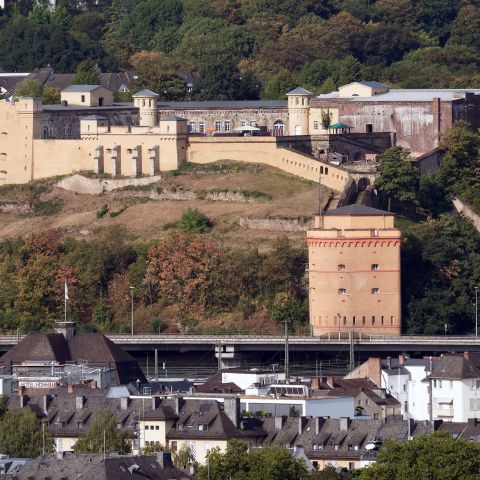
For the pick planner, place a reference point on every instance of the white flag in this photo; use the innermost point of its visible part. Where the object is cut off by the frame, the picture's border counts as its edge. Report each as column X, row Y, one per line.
column 66, row 290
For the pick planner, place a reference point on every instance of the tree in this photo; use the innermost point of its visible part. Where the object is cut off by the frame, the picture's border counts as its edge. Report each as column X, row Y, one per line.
column 240, row 463
column 193, row 220
column 21, row 435
column 103, row 436
column 181, row 269
column 29, row 88
column 51, row 95
column 218, row 81
column 436, row 456
column 86, row 73
column 326, row 119
column 399, row 179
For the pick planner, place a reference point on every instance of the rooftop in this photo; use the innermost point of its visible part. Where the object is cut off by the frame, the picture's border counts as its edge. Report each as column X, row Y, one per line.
column 299, row 91
column 356, row 210
column 145, row 93
column 81, row 88
column 407, row 95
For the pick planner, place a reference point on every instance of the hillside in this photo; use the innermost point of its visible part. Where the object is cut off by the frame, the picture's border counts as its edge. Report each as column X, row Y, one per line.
column 239, row 191
column 241, row 49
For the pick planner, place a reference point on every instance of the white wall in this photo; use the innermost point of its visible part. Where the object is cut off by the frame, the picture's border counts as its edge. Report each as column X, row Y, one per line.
column 418, row 394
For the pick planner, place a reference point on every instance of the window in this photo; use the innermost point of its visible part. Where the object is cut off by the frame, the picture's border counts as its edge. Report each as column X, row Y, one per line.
column 147, row 427
column 375, row 266
column 226, row 126
column 253, row 124
column 342, row 291
column 201, row 127
column 173, row 446
column 335, row 446
column 341, row 266
column 350, row 448
column 351, row 465
column 476, row 384
column 315, row 124
column 243, row 123
column 373, row 320
column 157, row 427
column 191, row 127
column 368, row 128
column 375, row 291
column 218, row 126
column 374, row 233
column 83, row 99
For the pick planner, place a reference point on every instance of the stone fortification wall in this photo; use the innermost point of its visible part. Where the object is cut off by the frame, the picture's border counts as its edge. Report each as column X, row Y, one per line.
column 265, row 150
column 95, row 186
column 275, row 224
column 64, row 122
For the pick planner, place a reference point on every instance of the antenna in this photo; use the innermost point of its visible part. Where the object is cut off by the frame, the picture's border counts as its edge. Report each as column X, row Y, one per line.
column 104, row 444
column 320, row 191
column 287, row 366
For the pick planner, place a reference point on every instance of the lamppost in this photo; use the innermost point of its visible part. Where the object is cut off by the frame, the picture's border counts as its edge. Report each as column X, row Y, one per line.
column 476, row 312
column 131, row 295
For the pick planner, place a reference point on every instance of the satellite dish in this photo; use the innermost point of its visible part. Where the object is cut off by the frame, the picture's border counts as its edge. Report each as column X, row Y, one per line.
column 370, row 446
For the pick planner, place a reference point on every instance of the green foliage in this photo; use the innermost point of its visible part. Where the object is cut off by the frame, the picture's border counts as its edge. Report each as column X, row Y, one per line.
column 102, row 211
column 21, row 435
column 436, row 456
column 86, row 74
column 118, row 212
column 193, row 220
column 103, row 436
column 399, row 179
column 326, row 120
column 49, row 207
column 51, row 96
column 29, row 88
column 240, row 463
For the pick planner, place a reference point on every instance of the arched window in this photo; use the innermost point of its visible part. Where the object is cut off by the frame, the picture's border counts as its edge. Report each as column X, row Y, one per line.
column 341, row 266
column 342, row 291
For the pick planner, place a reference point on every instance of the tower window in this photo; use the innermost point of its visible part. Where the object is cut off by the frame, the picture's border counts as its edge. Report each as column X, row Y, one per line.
column 375, row 291
column 341, row 266
column 342, row 291
column 373, row 320
column 375, row 266
column 315, row 124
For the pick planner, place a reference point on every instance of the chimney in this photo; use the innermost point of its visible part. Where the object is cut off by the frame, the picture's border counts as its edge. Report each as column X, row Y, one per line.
column 45, row 403
column 164, row 459
column 155, row 402
column 124, row 401
column 330, row 382
column 79, row 402
column 389, row 362
column 231, row 407
column 23, row 400
column 344, row 423
column 374, row 370
column 315, row 384
column 67, row 329
column 177, row 404
column 278, row 423
column 401, row 358
column 302, row 421
column 93, row 384
column 466, row 355
column 69, row 388
column 317, row 425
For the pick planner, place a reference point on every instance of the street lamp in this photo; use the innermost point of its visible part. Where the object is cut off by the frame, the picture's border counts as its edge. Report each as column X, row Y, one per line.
column 131, row 295
column 476, row 312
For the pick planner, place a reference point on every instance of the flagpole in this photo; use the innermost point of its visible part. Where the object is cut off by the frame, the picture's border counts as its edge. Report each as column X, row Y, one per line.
column 65, row 309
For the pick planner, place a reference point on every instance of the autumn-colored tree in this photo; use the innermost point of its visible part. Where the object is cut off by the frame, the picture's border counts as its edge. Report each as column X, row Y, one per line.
column 180, row 270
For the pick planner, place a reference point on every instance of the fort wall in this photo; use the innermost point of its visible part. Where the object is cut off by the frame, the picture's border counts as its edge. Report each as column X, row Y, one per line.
column 265, row 150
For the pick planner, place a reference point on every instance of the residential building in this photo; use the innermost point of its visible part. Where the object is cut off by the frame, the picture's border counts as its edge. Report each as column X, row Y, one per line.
column 370, row 400
column 10, row 467
column 70, row 466
column 50, row 359
column 354, row 272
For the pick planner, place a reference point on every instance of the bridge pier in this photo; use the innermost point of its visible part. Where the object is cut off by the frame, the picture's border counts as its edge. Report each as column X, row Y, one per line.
column 227, row 357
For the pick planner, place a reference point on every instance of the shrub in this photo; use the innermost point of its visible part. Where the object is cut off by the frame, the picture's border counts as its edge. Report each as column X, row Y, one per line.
column 51, row 207
column 103, row 211
column 116, row 213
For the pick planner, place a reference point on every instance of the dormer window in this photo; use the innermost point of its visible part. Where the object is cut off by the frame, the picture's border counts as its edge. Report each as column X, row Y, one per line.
column 202, row 427
column 336, row 446
column 80, row 425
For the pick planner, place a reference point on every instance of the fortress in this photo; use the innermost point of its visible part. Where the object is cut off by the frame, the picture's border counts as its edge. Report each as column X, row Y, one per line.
column 89, row 132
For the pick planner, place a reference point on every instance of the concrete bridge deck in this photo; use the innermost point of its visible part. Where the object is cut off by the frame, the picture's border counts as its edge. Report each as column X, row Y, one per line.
column 269, row 343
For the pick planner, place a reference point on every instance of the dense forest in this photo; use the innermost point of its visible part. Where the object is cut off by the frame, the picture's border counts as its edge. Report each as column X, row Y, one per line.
column 250, row 48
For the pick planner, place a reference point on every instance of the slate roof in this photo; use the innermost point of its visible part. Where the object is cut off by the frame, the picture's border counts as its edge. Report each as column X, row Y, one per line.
column 357, row 210
column 455, row 367
column 81, row 88
column 70, row 466
column 218, row 425
column 94, row 348
column 145, row 93
column 299, row 91
column 373, row 84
